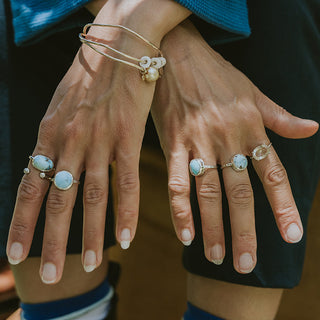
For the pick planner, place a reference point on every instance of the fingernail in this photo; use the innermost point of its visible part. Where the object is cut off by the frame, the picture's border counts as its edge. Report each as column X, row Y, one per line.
column 186, row 237
column 49, row 273
column 125, row 238
column 217, row 254
column 15, row 253
column 246, row 263
column 89, row 261
column 294, row 233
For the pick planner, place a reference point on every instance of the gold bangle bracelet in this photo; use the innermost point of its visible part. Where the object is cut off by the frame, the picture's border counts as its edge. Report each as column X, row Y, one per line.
column 151, row 68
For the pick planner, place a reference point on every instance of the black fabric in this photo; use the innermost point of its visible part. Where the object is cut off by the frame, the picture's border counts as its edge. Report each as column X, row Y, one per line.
column 282, row 57
column 5, row 167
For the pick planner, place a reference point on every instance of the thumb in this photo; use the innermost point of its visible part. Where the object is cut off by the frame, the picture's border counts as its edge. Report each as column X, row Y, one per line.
column 282, row 122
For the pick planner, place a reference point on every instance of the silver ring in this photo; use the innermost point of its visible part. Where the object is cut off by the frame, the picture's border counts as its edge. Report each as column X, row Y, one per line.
column 41, row 163
column 261, row 152
column 198, row 168
column 239, row 162
column 63, row 180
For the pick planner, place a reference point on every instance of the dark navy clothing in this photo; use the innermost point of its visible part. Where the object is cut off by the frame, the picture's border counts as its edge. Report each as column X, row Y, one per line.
column 281, row 57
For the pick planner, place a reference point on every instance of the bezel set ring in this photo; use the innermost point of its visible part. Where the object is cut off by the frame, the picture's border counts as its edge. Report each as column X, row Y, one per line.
column 198, row 168
column 261, row 152
column 238, row 163
column 63, row 180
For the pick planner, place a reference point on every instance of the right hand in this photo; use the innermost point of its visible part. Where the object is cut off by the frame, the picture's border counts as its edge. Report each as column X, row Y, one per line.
column 206, row 108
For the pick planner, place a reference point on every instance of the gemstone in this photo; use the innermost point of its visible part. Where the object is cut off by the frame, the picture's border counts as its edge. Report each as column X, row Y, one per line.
column 196, row 167
column 42, row 163
column 239, row 162
column 261, row 152
column 63, row 180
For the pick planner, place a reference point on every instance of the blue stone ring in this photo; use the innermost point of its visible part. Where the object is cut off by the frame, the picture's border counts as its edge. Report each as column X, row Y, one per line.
column 198, row 168
column 239, row 162
column 41, row 163
column 63, row 180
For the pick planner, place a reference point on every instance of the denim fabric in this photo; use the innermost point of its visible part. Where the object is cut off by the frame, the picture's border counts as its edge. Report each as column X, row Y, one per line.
column 32, row 17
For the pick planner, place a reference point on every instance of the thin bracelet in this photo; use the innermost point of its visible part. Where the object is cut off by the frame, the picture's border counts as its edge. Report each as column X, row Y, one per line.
column 150, row 68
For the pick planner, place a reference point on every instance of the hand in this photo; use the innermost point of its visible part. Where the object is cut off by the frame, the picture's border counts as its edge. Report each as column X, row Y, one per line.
column 205, row 108
column 96, row 116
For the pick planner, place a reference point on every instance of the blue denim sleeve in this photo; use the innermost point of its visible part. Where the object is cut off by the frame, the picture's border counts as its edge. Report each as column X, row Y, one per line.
column 229, row 17
column 32, row 17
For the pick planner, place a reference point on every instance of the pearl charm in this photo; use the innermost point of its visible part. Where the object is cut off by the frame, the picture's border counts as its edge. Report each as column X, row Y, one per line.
column 42, row 175
column 151, row 75
column 26, row 170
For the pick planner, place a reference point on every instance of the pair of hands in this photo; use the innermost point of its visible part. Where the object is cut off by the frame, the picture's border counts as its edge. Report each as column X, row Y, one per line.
column 203, row 108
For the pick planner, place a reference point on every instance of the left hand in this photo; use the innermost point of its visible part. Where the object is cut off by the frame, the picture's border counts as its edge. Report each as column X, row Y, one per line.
column 206, row 108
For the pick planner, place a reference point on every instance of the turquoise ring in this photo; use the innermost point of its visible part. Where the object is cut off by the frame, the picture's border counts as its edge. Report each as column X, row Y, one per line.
column 198, row 168
column 63, row 180
column 239, row 162
column 42, row 163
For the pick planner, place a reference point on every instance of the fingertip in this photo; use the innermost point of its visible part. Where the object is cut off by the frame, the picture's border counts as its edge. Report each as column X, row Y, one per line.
column 293, row 233
column 186, row 237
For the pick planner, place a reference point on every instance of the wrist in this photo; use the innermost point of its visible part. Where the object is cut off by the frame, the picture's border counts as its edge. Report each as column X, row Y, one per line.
column 153, row 19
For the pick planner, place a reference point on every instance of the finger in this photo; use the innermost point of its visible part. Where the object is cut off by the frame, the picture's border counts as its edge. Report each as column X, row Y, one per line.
column 179, row 196
column 241, row 207
column 128, row 187
column 59, row 208
column 210, row 204
column 95, row 198
column 31, row 193
column 282, row 122
column 277, row 187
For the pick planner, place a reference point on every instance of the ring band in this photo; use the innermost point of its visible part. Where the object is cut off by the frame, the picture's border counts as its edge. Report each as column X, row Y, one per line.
column 63, row 180
column 198, row 168
column 239, row 162
column 261, row 152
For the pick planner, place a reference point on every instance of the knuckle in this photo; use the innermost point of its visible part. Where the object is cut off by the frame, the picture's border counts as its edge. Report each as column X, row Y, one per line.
column 241, row 194
column 276, row 175
column 19, row 228
column 179, row 210
column 178, row 186
column 47, row 129
column 128, row 182
column 73, row 131
column 286, row 214
column 56, row 203
column 53, row 246
column 29, row 192
column 247, row 238
column 210, row 192
column 128, row 214
column 91, row 234
column 94, row 194
column 213, row 230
